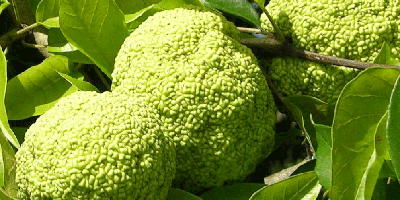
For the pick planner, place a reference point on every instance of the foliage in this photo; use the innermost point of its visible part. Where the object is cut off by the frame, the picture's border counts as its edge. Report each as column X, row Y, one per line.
column 354, row 140
column 3, row 5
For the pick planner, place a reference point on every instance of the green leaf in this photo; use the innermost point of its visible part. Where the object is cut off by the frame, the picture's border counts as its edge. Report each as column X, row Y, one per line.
column 4, row 126
column 95, row 27
column 33, row 5
column 385, row 56
column 80, row 84
column 47, row 13
column 392, row 189
column 304, row 166
column 131, row 7
column 4, row 196
column 3, row 5
column 321, row 112
column 387, row 170
column 59, row 45
column 37, row 89
column 171, row 4
column 7, row 168
column 177, row 194
column 359, row 109
column 380, row 190
column 260, row 2
column 302, row 186
column 7, row 157
column 134, row 20
column 323, row 168
column 20, row 133
column 132, row 17
column 393, row 128
column 303, row 108
column 241, row 191
column 376, row 160
column 301, row 167
column 240, row 8
column 246, row 35
column 52, row 23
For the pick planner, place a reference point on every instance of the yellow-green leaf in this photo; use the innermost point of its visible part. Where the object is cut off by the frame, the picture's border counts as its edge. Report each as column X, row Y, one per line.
column 96, row 27
column 37, row 89
column 359, row 110
column 4, row 126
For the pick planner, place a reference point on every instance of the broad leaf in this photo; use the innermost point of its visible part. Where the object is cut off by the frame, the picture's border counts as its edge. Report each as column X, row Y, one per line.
column 3, row 5
column 393, row 128
column 47, row 13
column 7, row 168
column 132, row 17
column 7, row 158
column 246, row 35
column 260, row 2
column 95, row 27
column 385, row 56
column 80, row 84
column 241, row 191
column 33, row 5
column 171, row 4
column 392, row 190
column 177, row 194
column 4, row 126
column 37, row 89
column 359, row 109
column 301, row 167
column 4, row 196
column 304, row 166
column 52, row 23
column 131, row 7
column 380, row 190
column 19, row 132
column 59, row 45
column 376, row 160
column 387, row 170
column 321, row 112
column 134, row 20
column 302, row 186
column 323, row 168
column 303, row 108
column 240, row 8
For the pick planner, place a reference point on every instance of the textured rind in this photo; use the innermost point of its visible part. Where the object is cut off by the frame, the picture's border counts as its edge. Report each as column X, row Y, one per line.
column 96, row 146
column 301, row 77
column 213, row 99
column 172, row 36
column 352, row 29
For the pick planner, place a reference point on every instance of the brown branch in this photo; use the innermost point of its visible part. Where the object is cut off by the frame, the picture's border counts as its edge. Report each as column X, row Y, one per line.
column 248, row 30
column 272, row 45
column 16, row 34
column 8, row 38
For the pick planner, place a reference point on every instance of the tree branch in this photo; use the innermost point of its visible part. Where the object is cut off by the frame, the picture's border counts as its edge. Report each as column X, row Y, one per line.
column 11, row 36
column 16, row 34
column 270, row 44
column 249, row 30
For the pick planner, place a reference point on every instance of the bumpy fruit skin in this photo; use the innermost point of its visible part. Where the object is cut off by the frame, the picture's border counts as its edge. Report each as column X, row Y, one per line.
column 352, row 29
column 96, row 146
column 212, row 97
